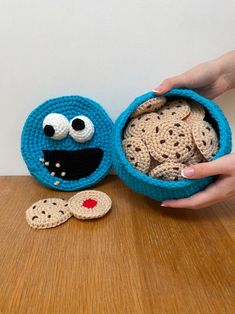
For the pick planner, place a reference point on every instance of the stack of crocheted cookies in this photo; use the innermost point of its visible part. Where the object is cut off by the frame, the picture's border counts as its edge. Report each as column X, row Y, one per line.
column 163, row 137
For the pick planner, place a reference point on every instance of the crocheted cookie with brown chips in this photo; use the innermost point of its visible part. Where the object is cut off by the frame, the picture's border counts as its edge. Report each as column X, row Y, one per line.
column 197, row 113
column 170, row 171
column 149, row 106
column 90, row 204
column 153, row 163
column 48, row 213
column 172, row 141
column 137, row 153
column 142, row 125
column 205, row 139
column 177, row 109
column 196, row 158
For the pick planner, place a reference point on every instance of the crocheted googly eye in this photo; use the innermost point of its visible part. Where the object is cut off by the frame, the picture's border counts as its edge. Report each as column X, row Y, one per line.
column 56, row 126
column 81, row 129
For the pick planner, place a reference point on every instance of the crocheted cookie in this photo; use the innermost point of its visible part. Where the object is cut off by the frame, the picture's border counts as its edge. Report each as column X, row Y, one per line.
column 48, row 213
column 153, row 163
column 197, row 113
column 205, row 139
column 177, row 109
column 137, row 153
column 170, row 171
column 150, row 106
column 171, row 140
column 142, row 125
column 196, row 158
column 89, row 204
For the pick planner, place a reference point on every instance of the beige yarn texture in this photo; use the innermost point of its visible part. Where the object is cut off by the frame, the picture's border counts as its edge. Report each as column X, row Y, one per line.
column 197, row 113
column 77, row 208
column 48, row 213
column 171, row 140
column 206, row 139
column 176, row 109
column 150, row 105
column 153, row 163
column 137, row 153
column 196, row 158
column 168, row 171
column 140, row 126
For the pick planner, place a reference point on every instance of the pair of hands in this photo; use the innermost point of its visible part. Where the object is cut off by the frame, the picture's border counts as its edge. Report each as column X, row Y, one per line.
column 209, row 79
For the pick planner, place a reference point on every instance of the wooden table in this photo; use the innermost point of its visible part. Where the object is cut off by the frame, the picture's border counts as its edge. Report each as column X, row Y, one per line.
column 140, row 258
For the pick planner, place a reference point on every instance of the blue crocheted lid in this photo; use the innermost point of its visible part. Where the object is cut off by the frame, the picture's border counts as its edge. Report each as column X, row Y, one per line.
column 66, row 143
column 160, row 189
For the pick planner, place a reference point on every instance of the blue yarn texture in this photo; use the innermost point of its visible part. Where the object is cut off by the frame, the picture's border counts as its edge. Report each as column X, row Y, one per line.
column 34, row 141
column 159, row 189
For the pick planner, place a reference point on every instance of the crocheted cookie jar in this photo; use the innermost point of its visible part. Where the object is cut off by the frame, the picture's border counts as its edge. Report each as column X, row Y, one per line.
column 157, row 136
column 66, row 143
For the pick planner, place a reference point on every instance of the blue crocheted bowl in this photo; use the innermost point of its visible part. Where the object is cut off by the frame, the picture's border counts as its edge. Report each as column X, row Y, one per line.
column 66, row 143
column 160, row 189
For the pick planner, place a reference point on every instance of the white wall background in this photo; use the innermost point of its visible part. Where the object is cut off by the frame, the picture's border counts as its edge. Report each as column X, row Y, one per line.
column 108, row 50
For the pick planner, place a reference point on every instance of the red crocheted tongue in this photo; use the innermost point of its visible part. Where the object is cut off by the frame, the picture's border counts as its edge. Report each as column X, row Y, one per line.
column 89, row 203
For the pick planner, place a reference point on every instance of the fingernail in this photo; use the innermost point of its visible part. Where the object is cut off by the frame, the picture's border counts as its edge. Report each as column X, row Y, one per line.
column 162, row 204
column 158, row 89
column 187, row 172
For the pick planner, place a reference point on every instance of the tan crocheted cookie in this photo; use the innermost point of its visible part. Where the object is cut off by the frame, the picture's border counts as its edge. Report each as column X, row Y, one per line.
column 171, row 140
column 142, row 125
column 196, row 158
column 153, row 163
column 137, row 153
column 177, row 109
column 149, row 106
column 89, row 204
column 197, row 112
column 170, row 171
column 205, row 139
column 48, row 213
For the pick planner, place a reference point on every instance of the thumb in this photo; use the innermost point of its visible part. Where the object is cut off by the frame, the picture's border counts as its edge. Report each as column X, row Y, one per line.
column 169, row 83
column 205, row 169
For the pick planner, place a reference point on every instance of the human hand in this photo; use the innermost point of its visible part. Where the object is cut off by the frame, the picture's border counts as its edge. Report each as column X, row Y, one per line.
column 209, row 79
column 222, row 189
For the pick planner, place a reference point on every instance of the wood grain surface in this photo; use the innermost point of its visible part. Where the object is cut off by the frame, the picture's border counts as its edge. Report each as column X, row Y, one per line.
column 140, row 258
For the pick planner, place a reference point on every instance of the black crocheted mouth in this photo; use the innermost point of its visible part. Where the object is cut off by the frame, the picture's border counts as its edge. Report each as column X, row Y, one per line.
column 72, row 165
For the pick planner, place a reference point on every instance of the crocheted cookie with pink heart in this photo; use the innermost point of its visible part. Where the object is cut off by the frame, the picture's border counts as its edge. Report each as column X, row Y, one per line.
column 172, row 135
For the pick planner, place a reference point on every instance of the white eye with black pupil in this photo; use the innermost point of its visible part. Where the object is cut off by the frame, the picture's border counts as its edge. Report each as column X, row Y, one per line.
column 56, row 126
column 81, row 129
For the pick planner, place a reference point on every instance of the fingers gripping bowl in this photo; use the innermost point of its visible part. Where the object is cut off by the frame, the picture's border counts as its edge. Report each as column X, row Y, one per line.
column 165, row 189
